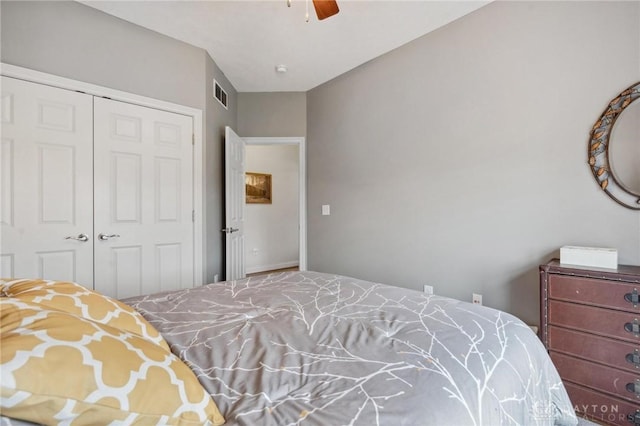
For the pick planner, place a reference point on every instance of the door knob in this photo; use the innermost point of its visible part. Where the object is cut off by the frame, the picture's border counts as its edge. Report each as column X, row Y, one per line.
column 229, row 230
column 105, row 237
column 81, row 237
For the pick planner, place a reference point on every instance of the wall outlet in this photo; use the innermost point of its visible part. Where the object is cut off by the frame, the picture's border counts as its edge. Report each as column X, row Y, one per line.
column 476, row 299
column 427, row 289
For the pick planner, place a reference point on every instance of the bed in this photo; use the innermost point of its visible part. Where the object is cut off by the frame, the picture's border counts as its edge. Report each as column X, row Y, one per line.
column 319, row 349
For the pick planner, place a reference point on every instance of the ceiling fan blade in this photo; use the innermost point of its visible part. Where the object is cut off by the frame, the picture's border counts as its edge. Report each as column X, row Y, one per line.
column 325, row 8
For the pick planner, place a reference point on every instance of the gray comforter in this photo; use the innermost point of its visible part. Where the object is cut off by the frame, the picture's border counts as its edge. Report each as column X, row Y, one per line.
column 317, row 349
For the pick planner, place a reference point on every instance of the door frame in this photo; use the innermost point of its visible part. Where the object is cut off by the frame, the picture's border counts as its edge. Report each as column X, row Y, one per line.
column 302, row 186
column 199, row 223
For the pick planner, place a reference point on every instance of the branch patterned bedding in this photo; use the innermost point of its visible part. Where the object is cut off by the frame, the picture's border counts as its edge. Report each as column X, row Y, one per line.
column 316, row 349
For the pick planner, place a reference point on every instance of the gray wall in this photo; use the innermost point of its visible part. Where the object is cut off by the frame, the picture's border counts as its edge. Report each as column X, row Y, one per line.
column 75, row 41
column 273, row 114
column 72, row 40
column 216, row 118
column 459, row 160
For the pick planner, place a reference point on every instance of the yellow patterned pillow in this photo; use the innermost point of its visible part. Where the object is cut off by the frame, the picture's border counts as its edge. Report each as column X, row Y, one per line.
column 59, row 368
column 78, row 300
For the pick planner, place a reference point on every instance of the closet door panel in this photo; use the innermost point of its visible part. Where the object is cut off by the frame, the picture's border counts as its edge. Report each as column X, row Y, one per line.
column 144, row 199
column 47, row 185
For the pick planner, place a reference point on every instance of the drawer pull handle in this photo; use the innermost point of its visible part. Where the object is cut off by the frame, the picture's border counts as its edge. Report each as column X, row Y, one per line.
column 634, row 388
column 633, row 327
column 634, row 418
column 632, row 297
column 634, row 358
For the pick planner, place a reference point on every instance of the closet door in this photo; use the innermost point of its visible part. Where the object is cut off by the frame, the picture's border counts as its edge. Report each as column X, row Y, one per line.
column 143, row 173
column 46, row 181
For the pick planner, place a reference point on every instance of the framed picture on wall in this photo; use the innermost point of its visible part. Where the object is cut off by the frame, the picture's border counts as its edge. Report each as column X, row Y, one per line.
column 257, row 188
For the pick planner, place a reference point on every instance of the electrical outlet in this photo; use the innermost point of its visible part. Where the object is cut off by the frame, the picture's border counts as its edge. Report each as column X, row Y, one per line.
column 428, row 289
column 476, row 299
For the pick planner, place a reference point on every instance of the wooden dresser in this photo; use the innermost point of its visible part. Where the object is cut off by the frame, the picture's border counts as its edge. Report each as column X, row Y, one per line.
column 590, row 324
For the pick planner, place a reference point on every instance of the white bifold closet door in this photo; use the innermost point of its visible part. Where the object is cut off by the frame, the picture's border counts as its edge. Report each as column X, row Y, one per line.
column 47, row 182
column 144, row 199
column 95, row 191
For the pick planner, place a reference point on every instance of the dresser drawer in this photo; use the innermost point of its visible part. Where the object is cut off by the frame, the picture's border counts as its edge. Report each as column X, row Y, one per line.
column 608, row 294
column 594, row 320
column 618, row 383
column 594, row 348
column 599, row 407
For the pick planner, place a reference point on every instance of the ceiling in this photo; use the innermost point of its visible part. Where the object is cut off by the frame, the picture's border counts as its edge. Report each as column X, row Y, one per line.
column 249, row 39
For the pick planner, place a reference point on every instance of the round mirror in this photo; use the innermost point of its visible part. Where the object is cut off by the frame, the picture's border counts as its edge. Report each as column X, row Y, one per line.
column 614, row 149
column 624, row 148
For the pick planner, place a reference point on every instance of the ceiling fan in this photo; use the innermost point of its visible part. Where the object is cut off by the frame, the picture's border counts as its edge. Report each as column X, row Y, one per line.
column 324, row 8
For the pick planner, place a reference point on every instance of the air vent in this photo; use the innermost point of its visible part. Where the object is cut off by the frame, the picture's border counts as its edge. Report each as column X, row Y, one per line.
column 220, row 94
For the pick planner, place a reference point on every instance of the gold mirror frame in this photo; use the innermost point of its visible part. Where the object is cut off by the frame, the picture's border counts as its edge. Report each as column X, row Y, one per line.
column 598, row 150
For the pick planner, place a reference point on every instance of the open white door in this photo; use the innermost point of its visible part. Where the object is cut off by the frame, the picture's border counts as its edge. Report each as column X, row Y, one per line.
column 234, row 191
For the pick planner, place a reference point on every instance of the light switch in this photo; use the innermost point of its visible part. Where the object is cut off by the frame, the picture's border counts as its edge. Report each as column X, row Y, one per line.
column 326, row 210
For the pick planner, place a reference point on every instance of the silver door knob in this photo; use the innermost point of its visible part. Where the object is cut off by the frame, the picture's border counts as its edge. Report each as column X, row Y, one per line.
column 81, row 237
column 229, row 230
column 105, row 237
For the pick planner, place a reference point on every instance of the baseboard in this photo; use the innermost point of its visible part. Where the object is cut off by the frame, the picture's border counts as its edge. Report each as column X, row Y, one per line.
column 262, row 268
